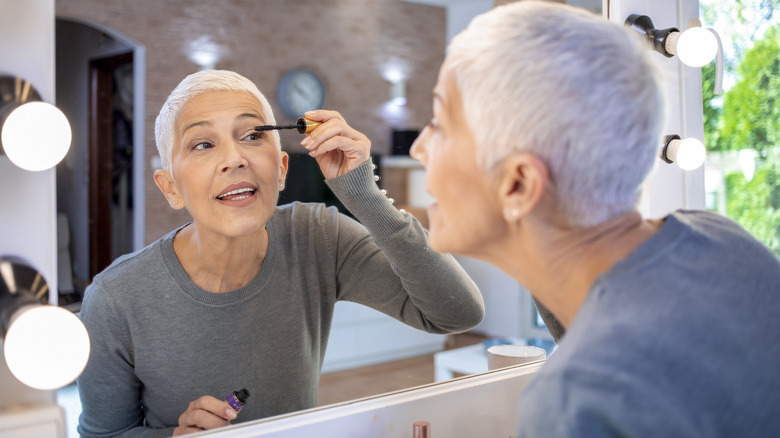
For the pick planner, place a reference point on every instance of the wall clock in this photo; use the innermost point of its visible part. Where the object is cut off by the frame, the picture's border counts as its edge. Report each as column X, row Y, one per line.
column 300, row 90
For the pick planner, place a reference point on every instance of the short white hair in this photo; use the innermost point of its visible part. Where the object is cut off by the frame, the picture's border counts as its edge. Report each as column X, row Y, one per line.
column 191, row 86
column 568, row 86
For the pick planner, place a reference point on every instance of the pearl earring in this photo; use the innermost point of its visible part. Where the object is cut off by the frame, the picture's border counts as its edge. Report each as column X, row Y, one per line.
column 174, row 203
column 512, row 213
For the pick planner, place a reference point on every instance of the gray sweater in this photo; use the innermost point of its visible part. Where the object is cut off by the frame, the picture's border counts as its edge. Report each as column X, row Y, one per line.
column 679, row 339
column 159, row 341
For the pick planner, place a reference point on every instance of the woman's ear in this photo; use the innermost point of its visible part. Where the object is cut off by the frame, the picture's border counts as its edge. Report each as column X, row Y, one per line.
column 284, row 162
column 523, row 180
column 167, row 186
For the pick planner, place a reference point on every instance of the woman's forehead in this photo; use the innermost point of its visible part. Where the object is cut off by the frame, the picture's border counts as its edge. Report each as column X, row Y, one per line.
column 217, row 102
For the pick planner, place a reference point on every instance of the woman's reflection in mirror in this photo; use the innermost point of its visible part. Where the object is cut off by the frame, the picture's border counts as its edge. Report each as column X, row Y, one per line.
column 243, row 295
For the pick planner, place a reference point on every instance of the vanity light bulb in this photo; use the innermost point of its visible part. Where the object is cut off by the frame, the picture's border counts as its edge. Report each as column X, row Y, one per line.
column 36, row 136
column 46, row 347
column 696, row 46
column 689, row 153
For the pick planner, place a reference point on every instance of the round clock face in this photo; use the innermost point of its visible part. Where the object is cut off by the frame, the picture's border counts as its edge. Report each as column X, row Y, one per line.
column 300, row 91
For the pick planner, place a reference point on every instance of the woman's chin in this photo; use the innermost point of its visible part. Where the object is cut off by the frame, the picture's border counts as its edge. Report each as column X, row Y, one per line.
column 438, row 241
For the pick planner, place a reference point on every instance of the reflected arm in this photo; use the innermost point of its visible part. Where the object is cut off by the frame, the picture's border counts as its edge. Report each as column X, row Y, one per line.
column 394, row 270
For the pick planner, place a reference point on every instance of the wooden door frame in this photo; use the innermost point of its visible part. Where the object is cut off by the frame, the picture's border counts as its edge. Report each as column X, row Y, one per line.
column 101, row 92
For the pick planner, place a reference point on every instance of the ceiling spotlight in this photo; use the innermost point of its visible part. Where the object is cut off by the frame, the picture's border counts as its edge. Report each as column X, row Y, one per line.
column 398, row 92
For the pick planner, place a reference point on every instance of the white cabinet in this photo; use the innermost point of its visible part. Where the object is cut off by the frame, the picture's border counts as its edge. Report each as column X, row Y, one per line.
column 363, row 336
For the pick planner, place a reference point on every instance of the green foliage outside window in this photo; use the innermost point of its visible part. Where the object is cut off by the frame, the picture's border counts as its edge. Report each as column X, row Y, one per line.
column 747, row 117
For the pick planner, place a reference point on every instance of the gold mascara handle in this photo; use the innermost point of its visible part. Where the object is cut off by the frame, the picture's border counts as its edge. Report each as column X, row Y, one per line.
column 305, row 126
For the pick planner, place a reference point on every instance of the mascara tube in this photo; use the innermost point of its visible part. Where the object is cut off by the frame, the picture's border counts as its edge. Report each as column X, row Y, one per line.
column 237, row 399
column 305, row 126
column 302, row 125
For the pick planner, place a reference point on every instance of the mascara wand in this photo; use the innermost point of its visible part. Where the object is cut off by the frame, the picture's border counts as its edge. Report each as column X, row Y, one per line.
column 303, row 125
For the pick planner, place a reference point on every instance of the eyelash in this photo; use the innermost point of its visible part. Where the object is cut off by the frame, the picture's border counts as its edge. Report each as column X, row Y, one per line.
column 258, row 136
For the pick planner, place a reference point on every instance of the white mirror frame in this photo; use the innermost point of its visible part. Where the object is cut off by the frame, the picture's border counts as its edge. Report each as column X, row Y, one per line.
column 477, row 405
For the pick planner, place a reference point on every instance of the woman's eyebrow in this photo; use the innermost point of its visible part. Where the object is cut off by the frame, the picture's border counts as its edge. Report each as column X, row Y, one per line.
column 245, row 116
column 196, row 124
column 239, row 118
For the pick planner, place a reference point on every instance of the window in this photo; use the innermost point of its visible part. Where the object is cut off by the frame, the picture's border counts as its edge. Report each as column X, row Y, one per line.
column 742, row 126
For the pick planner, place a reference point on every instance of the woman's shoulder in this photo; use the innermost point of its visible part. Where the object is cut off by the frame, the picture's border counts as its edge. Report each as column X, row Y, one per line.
column 135, row 265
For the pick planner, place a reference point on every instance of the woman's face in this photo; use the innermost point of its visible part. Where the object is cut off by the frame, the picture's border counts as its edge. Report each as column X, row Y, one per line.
column 227, row 174
column 466, row 216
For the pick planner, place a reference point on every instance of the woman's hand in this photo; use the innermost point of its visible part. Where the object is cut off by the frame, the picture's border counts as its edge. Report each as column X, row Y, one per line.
column 204, row 413
column 336, row 147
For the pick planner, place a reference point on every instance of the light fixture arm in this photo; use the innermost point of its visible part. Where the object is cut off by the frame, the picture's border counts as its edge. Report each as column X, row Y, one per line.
column 14, row 92
column 17, row 279
column 718, row 64
column 656, row 37
column 10, row 304
column 665, row 150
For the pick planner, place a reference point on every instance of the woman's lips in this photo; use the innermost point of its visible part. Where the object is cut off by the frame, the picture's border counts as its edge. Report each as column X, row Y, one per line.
column 237, row 191
column 238, row 195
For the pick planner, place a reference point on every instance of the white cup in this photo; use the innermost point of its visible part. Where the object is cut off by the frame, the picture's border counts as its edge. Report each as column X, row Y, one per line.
column 501, row 356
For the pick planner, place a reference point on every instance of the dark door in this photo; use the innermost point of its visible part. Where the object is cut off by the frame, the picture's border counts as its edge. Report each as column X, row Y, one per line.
column 109, row 161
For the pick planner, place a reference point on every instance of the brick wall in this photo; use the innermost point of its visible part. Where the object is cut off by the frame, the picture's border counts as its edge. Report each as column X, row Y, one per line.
column 348, row 42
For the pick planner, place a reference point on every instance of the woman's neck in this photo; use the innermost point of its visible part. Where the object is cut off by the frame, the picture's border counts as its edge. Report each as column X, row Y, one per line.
column 559, row 266
column 218, row 263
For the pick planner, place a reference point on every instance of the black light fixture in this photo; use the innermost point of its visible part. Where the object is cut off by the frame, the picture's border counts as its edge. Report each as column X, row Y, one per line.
column 45, row 347
column 687, row 153
column 34, row 135
column 696, row 46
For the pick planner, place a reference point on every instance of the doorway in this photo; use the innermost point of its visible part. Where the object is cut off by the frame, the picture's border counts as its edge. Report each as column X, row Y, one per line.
column 100, row 182
column 110, row 159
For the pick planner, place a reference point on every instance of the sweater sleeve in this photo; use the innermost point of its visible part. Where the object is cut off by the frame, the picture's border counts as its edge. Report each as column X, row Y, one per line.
column 554, row 326
column 108, row 388
column 393, row 269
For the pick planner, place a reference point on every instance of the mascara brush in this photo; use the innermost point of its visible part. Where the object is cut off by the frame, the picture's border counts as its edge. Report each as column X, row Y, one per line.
column 303, row 125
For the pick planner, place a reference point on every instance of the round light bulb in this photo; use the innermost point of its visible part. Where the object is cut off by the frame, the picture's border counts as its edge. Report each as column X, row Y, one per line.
column 697, row 47
column 46, row 347
column 688, row 153
column 36, row 136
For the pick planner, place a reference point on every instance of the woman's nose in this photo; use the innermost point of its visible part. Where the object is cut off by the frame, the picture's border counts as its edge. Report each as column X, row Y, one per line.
column 418, row 150
column 232, row 157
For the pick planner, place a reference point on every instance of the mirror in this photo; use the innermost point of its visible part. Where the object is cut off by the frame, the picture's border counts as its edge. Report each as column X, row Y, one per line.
column 139, row 55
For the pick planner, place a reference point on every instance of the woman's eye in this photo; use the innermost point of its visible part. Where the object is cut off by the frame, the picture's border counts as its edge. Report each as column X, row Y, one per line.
column 201, row 146
column 253, row 136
